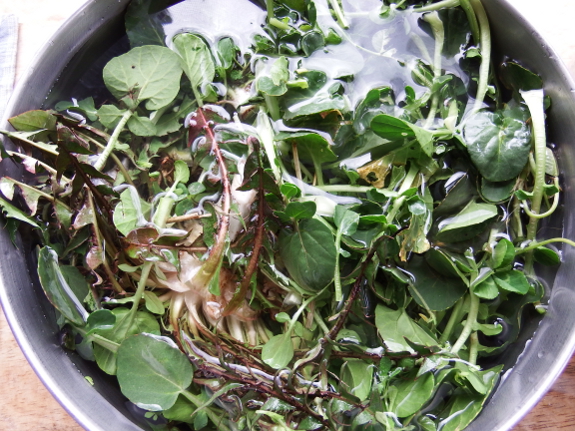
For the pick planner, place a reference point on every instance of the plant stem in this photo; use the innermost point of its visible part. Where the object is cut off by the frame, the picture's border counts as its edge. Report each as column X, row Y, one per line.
column 439, row 36
column 453, row 319
column 437, row 6
column 101, row 162
column 273, row 107
column 471, row 320
column 485, row 46
column 534, row 101
column 466, row 6
column 339, row 13
column 473, row 347
column 536, row 244
column 406, row 185
column 344, row 188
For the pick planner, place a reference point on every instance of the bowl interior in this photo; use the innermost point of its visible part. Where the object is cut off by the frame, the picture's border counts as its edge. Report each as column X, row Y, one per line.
column 70, row 65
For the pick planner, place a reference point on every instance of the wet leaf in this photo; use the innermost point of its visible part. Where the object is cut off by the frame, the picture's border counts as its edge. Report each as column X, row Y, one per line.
column 57, row 288
column 278, row 351
column 394, row 326
column 512, row 281
column 498, row 142
column 150, row 73
column 358, row 375
column 309, row 254
column 467, row 224
column 152, row 371
column 196, row 59
column 412, row 395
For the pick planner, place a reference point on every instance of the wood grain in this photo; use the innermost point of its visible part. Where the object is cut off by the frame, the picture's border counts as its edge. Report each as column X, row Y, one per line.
column 26, row 405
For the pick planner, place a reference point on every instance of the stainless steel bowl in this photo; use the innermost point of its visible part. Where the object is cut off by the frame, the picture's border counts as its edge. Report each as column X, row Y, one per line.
column 536, row 362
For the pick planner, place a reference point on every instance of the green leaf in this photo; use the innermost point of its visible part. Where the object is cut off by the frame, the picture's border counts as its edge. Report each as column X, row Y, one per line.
column 131, row 212
column 32, row 121
column 394, row 129
column 153, row 304
column 546, row 256
column 181, row 172
column 503, row 254
column 101, row 319
column 299, row 210
column 487, row 289
column 497, row 192
column 141, row 126
column 10, row 211
column 430, row 289
column 110, row 115
column 347, row 221
column 411, row 395
column 143, row 27
column 512, row 281
column 278, row 351
column 309, row 254
column 150, row 73
column 124, row 327
column 316, row 98
column 498, row 142
column 311, row 146
column 152, row 371
column 274, row 83
column 467, row 224
column 394, row 326
column 57, row 289
column 358, row 375
column 196, row 59
column 181, row 411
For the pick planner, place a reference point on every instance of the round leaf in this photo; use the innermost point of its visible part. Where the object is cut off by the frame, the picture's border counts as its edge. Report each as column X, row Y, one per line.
column 309, row 254
column 148, row 72
column 152, row 371
column 498, row 143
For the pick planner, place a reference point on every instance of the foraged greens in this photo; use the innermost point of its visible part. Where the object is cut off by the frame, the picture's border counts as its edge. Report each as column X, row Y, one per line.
column 327, row 229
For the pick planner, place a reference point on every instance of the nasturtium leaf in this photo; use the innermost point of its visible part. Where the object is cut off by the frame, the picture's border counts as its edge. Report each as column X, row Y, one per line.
column 150, row 73
column 377, row 101
column 196, row 59
column 57, row 289
column 300, row 210
column 467, row 223
column 498, row 142
column 131, row 211
column 311, row 42
column 32, row 121
column 546, row 256
column 430, row 289
column 358, row 376
column 152, row 371
column 411, row 395
column 290, row 190
column 512, row 281
column 394, row 326
column 309, row 254
column 226, row 52
column 503, row 253
column 395, row 129
column 278, row 351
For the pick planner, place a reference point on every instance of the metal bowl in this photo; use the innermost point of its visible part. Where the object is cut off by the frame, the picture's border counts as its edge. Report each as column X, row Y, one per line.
column 535, row 362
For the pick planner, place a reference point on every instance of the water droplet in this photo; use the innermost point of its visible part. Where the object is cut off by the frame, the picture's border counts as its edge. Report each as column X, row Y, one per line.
column 540, row 355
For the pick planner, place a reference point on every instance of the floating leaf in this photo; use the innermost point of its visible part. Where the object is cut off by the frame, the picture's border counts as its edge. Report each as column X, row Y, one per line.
column 498, row 142
column 309, row 254
column 196, row 59
column 467, row 224
column 395, row 129
column 512, row 281
column 152, row 371
column 150, row 73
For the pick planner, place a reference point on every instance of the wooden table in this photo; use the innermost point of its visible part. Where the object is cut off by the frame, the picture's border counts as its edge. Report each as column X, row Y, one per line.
column 25, row 405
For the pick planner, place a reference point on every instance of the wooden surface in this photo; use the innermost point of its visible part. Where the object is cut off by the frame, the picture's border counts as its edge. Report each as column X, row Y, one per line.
column 25, row 405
